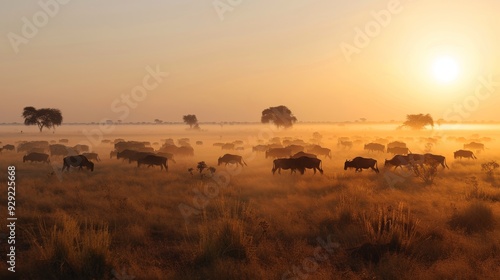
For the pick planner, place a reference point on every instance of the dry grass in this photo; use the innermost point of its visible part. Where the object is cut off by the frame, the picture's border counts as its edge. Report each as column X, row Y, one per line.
column 476, row 217
column 121, row 221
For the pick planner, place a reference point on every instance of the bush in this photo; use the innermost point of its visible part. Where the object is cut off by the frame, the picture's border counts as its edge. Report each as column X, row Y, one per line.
column 74, row 251
column 476, row 217
column 387, row 225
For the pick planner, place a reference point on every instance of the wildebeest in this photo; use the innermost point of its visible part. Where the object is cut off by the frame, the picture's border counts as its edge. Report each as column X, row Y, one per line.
column 153, row 160
column 185, row 151
column 278, row 153
column 375, row 147
column 294, row 164
column 184, row 142
column 346, row 144
column 304, row 162
column 9, row 147
column 80, row 148
column 177, row 151
column 284, row 163
column 199, row 142
column 61, row 150
column 28, row 146
column 435, row 160
column 129, row 145
column 138, row 155
column 36, row 157
column 93, row 156
column 320, row 151
column 398, row 151
column 259, row 148
column 474, row 146
column 464, row 154
column 228, row 158
column 125, row 154
column 113, row 154
column 396, row 144
column 77, row 161
column 397, row 161
column 238, row 142
column 404, row 160
column 63, row 141
column 228, row 146
column 360, row 163
column 302, row 154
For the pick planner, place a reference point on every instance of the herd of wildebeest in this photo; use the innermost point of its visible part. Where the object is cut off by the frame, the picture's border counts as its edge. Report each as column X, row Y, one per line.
column 287, row 153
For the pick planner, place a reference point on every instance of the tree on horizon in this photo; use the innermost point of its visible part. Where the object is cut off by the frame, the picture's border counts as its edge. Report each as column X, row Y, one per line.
column 45, row 117
column 280, row 116
column 418, row 121
column 191, row 120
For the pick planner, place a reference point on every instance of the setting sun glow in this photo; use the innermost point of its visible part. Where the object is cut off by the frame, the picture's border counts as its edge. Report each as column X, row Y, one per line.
column 445, row 69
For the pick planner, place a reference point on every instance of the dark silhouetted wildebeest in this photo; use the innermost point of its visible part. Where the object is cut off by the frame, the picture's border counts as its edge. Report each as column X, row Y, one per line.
column 151, row 160
column 294, row 164
column 284, row 163
column 77, row 161
column 233, row 159
column 360, row 163
column 125, row 154
column 397, row 161
column 36, row 157
column 464, row 154
column 431, row 159
column 138, row 155
column 303, row 163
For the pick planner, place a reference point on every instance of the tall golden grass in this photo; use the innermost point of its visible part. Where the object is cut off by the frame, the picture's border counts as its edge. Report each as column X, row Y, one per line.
column 122, row 221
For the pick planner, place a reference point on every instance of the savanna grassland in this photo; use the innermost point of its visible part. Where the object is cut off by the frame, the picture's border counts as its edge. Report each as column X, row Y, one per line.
column 121, row 221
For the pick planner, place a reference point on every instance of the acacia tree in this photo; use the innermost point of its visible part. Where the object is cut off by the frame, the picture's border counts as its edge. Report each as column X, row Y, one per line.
column 45, row 117
column 279, row 116
column 418, row 121
column 190, row 120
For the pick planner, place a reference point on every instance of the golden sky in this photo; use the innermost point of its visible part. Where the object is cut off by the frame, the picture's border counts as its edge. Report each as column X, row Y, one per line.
column 325, row 60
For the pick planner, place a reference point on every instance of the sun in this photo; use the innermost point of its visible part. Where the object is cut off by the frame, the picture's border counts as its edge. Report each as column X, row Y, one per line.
column 445, row 69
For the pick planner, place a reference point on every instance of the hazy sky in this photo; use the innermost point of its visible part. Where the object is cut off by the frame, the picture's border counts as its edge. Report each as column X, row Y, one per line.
column 231, row 62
